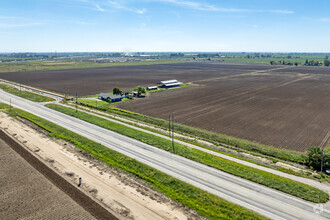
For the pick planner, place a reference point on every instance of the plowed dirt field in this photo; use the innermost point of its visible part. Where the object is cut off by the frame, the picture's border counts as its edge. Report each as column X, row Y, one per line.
column 285, row 110
column 95, row 80
column 282, row 106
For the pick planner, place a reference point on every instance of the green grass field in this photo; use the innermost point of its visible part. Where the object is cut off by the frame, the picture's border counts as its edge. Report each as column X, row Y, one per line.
column 270, row 180
column 48, row 65
column 204, row 203
column 25, row 94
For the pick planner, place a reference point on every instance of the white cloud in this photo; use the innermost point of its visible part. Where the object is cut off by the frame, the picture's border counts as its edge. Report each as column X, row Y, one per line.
column 324, row 20
column 118, row 5
column 281, row 11
column 98, row 7
column 209, row 7
column 7, row 17
column 105, row 5
column 15, row 25
column 199, row 6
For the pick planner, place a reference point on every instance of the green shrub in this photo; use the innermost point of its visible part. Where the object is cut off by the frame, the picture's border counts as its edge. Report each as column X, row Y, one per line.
column 315, row 158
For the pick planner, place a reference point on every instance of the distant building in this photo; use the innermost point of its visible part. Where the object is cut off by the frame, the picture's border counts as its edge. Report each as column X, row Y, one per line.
column 112, row 98
column 152, row 88
column 169, row 83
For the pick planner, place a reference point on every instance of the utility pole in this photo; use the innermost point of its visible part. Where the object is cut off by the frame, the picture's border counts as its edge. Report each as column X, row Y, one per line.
column 76, row 103
column 322, row 146
column 169, row 125
column 173, row 132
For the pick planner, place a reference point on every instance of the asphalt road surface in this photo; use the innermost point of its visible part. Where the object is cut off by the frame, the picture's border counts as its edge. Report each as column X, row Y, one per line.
column 266, row 201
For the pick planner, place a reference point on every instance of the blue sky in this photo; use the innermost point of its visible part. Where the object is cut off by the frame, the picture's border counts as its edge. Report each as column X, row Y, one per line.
column 164, row 25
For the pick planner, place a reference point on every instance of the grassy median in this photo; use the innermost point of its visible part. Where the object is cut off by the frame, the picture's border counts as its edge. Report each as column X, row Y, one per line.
column 262, row 177
column 25, row 94
column 203, row 202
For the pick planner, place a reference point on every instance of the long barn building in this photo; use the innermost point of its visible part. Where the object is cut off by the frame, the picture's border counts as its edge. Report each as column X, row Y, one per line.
column 169, row 83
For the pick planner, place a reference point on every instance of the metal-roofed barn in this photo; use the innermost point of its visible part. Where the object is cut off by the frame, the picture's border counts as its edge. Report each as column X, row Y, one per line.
column 169, row 83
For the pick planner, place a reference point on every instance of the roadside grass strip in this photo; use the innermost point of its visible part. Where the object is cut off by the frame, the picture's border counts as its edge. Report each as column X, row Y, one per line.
column 102, row 104
column 267, row 150
column 25, row 94
column 288, row 186
column 4, row 106
column 203, row 202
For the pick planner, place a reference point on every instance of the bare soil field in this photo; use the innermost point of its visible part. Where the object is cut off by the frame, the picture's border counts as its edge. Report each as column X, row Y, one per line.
column 91, row 81
column 283, row 110
column 267, row 104
column 27, row 194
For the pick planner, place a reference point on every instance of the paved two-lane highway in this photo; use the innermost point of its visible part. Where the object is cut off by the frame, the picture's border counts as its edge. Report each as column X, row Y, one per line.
column 268, row 202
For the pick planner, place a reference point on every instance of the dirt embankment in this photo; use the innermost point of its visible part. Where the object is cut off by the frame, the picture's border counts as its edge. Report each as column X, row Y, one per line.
column 31, row 190
column 122, row 195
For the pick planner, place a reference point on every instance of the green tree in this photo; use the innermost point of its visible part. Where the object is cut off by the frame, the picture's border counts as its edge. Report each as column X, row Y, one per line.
column 326, row 62
column 306, row 62
column 314, row 158
column 141, row 90
column 116, row 91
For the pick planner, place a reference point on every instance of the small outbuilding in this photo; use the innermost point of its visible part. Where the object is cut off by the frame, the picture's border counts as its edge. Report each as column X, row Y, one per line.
column 112, row 98
column 152, row 88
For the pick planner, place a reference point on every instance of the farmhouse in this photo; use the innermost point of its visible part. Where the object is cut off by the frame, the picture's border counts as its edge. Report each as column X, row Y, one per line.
column 169, row 83
column 108, row 97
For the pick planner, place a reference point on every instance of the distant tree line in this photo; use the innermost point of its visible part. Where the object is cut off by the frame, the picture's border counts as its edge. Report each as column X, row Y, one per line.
column 283, row 62
column 307, row 62
column 313, row 63
column 176, row 55
column 257, row 55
